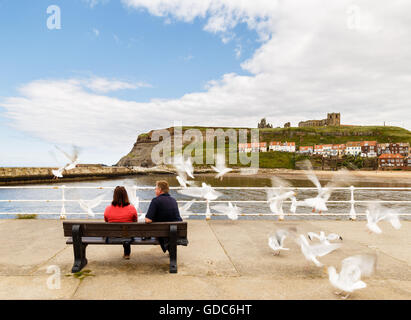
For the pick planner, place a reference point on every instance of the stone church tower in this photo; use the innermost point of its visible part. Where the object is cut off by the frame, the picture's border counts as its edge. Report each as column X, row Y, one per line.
column 333, row 119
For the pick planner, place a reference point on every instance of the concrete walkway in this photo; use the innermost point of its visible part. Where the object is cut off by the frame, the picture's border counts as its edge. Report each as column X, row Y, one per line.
column 224, row 260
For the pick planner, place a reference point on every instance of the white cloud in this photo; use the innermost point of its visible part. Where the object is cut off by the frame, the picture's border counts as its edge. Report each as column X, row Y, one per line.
column 96, row 32
column 309, row 63
column 237, row 51
column 93, row 3
column 103, row 85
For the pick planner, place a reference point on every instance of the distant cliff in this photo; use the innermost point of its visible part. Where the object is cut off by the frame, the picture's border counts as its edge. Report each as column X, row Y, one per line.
column 16, row 175
column 140, row 155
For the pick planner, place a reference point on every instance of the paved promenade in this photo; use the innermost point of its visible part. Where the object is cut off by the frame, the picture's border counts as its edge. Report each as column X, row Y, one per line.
column 224, row 260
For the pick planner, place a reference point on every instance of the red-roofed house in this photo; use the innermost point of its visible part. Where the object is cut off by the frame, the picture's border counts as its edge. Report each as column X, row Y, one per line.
column 275, row 146
column 368, row 149
column 338, row 149
column 244, row 147
column 282, row 146
column 306, row 149
column 391, row 161
column 255, row 146
column 263, row 146
column 353, row 148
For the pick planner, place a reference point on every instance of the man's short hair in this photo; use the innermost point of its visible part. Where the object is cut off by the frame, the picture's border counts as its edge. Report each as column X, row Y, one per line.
column 163, row 186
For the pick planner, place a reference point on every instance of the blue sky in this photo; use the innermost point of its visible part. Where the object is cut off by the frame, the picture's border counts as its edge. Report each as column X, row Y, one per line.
column 117, row 68
column 173, row 57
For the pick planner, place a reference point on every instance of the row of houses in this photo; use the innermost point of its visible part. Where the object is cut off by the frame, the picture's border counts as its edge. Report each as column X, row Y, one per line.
column 390, row 155
column 365, row 149
column 394, row 161
column 356, row 148
column 264, row 147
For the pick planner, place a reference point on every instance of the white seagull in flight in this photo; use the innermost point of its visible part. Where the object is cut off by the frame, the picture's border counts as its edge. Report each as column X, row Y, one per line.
column 230, row 210
column 206, row 192
column 184, row 212
column 88, row 205
column 324, row 238
column 376, row 213
column 311, row 252
column 276, row 197
column 73, row 157
column 352, row 269
column 220, row 167
column 319, row 202
column 276, row 242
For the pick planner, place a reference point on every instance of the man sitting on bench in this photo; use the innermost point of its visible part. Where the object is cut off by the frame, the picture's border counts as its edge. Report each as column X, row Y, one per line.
column 163, row 208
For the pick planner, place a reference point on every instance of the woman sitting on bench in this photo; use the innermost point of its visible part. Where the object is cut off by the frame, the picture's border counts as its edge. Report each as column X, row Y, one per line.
column 121, row 210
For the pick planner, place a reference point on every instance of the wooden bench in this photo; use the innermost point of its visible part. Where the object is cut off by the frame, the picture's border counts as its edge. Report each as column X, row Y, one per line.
column 83, row 233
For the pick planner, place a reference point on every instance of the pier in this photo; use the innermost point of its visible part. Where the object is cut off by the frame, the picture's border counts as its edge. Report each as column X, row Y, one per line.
column 224, row 260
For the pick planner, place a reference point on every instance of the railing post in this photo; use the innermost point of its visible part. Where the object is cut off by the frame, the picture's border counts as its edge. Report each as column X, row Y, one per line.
column 353, row 214
column 208, row 212
column 63, row 199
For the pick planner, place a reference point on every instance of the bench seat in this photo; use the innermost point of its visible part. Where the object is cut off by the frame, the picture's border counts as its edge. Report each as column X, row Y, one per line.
column 136, row 241
column 83, row 233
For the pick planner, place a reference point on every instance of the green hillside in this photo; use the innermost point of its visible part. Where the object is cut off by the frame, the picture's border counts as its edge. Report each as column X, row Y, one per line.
column 329, row 135
column 316, row 135
column 141, row 152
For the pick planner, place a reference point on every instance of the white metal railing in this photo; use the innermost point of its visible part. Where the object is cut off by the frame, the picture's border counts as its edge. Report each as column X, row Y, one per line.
column 351, row 214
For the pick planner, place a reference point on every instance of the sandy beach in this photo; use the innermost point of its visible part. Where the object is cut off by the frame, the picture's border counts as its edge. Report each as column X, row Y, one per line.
column 366, row 176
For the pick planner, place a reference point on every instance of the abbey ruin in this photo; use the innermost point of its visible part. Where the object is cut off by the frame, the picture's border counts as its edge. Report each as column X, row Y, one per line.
column 333, row 119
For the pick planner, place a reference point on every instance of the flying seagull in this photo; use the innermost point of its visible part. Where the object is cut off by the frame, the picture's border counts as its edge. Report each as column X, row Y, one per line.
column 319, row 202
column 352, row 269
column 276, row 197
column 276, row 242
column 220, row 167
column 324, row 238
column 206, row 192
column 183, row 168
column 311, row 252
column 58, row 173
column 231, row 211
column 184, row 212
column 88, row 205
column 182, row 165
column 376, row 213
column 73, row 157
column 132, row 197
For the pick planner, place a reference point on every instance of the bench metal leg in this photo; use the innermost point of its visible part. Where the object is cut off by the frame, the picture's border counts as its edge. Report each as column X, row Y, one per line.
column 172, row 248
column 79, row 249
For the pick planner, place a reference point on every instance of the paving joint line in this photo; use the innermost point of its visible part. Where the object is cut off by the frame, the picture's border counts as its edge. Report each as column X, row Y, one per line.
column 229, row 258
column 36, row 268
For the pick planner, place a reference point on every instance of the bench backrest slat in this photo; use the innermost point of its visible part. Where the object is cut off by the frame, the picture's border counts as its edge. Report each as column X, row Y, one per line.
column 104, row 229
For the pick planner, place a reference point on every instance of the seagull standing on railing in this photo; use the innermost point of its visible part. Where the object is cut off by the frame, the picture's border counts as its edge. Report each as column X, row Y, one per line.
column 311, row 252
column 276, row 197
column 230, row 210
column 88, row 205
column 206, row 192
column 376, row 213
column 324, row 238
column 220, row 167
column 352, row 269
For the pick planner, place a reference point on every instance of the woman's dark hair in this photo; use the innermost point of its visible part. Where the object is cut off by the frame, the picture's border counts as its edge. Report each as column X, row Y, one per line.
column 120, row 197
